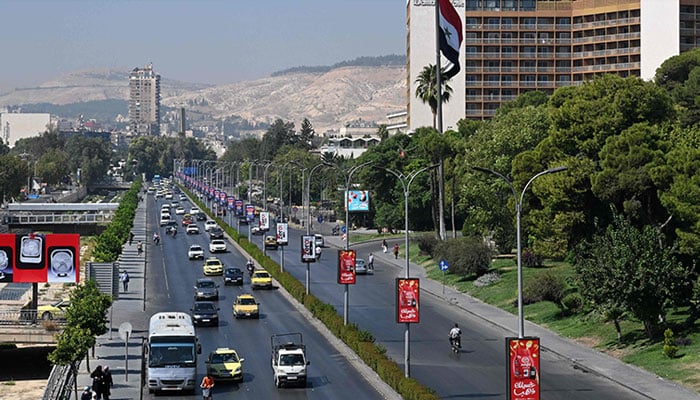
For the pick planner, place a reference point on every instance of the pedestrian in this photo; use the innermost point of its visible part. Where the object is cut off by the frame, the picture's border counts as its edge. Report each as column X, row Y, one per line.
column 370, row 263
column 318, row 253
column 124, row 277
column 87, row 394
column 97, row 381
column 385, row 246
column 131, row 238
column 139, row 247
column 207, row 385
column 396, row 251
column 107, row 382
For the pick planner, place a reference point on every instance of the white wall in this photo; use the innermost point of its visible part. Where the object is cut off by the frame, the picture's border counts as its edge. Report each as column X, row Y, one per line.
column 660, row 30
column 23, row 126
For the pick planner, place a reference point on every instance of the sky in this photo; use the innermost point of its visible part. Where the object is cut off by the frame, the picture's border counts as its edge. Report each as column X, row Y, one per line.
column 202, row 41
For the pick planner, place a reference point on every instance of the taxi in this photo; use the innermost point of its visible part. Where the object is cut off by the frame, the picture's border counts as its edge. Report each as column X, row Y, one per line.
column 261, row 279
column 54, row 310
column 187, row 219
column 223, row 364
column 213, row 266
column 245, row 306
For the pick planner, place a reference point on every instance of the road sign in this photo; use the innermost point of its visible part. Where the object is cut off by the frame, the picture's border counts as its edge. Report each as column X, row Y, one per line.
column 443, row 265
column 320, row 219
column 343, row 229
column 125, row 331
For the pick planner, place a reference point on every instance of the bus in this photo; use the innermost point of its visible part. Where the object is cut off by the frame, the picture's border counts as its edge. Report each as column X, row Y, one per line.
column 171, row 353
column 156, row 179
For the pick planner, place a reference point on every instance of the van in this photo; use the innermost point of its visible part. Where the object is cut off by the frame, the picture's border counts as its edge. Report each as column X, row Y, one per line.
column 164, row 219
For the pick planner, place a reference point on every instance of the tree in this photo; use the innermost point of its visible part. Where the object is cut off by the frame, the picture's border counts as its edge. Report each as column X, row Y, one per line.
column 426, row 89
column 51, row 166
column 680, row 77
column 13, row 176
column 627, row 268
column 306, row 134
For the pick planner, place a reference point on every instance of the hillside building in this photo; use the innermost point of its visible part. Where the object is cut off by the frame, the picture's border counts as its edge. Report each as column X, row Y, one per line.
column 144, row 101
column 514, row 46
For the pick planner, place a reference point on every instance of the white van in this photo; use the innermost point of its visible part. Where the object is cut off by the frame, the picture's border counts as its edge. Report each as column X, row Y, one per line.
column 164, row 219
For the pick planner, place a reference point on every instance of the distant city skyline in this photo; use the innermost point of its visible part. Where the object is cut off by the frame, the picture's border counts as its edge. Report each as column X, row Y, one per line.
column 203, row 41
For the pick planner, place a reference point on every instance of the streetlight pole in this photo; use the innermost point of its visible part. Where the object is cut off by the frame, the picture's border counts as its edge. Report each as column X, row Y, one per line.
column 406, row 181
column 307, row 205
column 518, row 210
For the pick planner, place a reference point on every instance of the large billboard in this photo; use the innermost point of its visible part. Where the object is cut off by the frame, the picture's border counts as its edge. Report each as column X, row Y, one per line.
column 523, row 368
column 357, row 200
column 39, row 258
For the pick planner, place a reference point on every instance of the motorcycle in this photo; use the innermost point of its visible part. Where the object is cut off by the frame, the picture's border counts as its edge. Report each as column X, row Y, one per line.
column 455, row 344
column 250, row 267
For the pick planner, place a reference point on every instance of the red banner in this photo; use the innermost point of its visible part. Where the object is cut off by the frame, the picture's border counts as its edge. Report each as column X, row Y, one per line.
column 346, row 267
column 523, row 368
column 39, row 258
column 407, row 300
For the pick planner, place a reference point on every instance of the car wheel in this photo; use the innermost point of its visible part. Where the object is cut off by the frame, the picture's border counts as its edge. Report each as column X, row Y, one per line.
column 46, row 316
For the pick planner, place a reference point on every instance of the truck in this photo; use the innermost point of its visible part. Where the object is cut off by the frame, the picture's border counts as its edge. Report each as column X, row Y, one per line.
column 289, row 363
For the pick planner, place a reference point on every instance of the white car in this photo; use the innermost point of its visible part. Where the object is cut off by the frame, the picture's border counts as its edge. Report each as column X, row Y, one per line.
column 360, row 266
column 195, row 252
column 168, row 196
column 192, row 229
column 179, row 211
column 193, row 211
column 217, row 245
column 319, row 240
column 209, row 224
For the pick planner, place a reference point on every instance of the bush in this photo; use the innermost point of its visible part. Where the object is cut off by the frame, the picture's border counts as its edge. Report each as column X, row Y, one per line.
column 531, row 260
column 426, row 244
column 466, row 256
column 670, row 348
column 487, row 279
column 544, row 287
column 572, row 303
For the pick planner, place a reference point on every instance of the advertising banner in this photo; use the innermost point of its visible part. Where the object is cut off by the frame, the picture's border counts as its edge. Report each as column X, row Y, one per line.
column 346, row 267
column 239, row 207
column 216, row 194
column 222, row 197
column 264, row 221
column 523, row 368
column 308, row 250
column 281, row 234
column 249, row 212
column 357, row 200
column 231, row 202
column 39, row 258
column 407, row 300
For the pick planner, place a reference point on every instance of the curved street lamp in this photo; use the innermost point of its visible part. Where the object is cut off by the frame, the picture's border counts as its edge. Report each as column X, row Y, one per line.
column 518, row 209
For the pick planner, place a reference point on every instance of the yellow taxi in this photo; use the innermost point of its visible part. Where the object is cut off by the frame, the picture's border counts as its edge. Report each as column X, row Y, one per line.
column 245, row 306
column 223, row 364
column 53, row 310
column 261, row 279
column 213, row 266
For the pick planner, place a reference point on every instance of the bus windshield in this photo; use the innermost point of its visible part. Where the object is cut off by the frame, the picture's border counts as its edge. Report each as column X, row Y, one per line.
column 177, row 354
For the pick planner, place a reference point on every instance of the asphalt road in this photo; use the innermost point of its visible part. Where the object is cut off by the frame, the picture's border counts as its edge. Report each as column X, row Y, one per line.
column 477, row 372
column 170, row 280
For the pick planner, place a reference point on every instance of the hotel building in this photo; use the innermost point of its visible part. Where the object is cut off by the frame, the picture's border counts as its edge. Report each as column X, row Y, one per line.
column 144, row 101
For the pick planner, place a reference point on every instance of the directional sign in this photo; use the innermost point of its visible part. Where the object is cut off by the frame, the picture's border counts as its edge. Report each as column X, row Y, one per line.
column 443, row 265
column 344, row 229
column 320, row 219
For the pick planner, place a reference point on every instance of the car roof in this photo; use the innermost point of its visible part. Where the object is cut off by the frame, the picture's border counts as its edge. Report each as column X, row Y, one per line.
column 245, row 296
column 205, row 280
column 195, row 246
column 223, row 350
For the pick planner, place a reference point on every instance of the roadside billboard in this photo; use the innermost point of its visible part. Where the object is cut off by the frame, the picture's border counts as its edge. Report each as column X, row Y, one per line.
column 264, row 221
column 357, row 200
column 407, row 300
column 523, row 365
column 308, row 249
column 346, row 267
column 281, row 234
column 39, row 258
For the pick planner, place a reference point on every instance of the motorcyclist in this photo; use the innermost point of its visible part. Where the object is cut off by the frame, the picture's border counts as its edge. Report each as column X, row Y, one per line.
column 156, row 238
column 250, row 267
column 456, row 337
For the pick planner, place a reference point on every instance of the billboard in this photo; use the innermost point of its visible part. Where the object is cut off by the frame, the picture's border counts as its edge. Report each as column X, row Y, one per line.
column 308, row 249
column 281, row 234
column 249, row 212
column 39, row 258
column 264, row 221
column 407, row 300
column 346, row 267
column 357, row 200
column 523, row 368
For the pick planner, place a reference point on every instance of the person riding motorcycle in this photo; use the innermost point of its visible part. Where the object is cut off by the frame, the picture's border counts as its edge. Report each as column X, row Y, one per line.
column 455, row 337
column 250, row 267
column 156, row 238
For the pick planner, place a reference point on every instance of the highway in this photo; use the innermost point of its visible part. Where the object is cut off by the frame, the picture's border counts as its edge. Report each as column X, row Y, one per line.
column 170, row 280
column 477, row 372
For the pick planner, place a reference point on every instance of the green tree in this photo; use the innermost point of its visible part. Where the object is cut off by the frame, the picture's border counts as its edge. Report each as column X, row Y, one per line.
column 426, row 89
column 627, row 268
column 51, row 166
column 279, row 134
column 13, row 176
column 306, row 134
column 680, row 77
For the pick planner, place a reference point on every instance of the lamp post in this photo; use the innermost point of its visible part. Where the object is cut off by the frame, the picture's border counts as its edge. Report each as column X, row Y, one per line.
column 281, row 216
column 406, row 181
column 518, row 210
column 307, row 205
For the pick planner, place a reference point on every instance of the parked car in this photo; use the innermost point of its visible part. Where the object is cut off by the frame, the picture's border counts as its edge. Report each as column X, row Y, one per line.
column 233, row 276
column 217, row 245
column 195, row 251
column 271, row 242
column 206, row 289
column 205, row 313
column 245, row 306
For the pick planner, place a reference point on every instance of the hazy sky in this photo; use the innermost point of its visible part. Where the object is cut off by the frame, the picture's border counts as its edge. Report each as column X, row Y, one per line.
column 207, row 41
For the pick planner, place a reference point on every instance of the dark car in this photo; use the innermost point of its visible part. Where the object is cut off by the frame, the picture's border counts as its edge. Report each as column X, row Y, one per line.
column 200, row 216
column 206, row 289
column 216, row 233
column 205, row 313
column 233, row 276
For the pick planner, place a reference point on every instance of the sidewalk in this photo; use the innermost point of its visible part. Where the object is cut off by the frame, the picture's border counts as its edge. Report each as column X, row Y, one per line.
column 110, row 349
column 584, row 358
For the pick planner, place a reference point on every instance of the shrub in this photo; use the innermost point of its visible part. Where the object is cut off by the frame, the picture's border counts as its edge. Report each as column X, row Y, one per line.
column 467, row 256
column 670, row 348
column 487, row 279
column 544, row 287
column 531, row 260
column 572, row 303
column 427, row 243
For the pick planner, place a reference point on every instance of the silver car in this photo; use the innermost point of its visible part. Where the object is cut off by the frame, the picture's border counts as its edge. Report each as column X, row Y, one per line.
column 360, row 266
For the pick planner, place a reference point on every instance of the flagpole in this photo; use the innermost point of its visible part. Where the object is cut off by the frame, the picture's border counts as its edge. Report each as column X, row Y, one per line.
column 438, row 82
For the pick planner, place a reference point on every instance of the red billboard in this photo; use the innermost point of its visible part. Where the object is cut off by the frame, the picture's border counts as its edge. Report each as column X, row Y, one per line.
column 407, row 300
column 346, row 267
column 38, row 258
column 523, row 368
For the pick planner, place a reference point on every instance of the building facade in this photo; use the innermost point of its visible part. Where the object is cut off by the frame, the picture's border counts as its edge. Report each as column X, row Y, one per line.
column 144, row 101
column 16, row 126
column 514, row 46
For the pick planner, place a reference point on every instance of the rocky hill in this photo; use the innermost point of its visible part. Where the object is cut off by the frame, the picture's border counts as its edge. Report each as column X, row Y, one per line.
column 327, row 98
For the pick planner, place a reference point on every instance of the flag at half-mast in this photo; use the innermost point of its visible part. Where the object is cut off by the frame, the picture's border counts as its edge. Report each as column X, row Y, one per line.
column 450, row 36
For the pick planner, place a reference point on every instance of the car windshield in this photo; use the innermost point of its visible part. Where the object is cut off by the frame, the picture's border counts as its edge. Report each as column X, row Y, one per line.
column 196, row 248
column 206, row 284
column 224, row 358
column 292, row 359
column 217, row 242
column 203, row 307
column 172, row 354
column 246, row 301
column 262, row 275
column 213, row 263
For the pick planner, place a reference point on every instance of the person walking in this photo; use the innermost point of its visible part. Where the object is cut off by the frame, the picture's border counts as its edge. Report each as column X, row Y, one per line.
column 97, row 381
column 396, row 251
column 318, row 253
column 139, row 247
column 107, row 382
column 124, row 278
column 131, row 238
column 207, row 385
column 385, row 246
column 370, row 263
column 87, row 394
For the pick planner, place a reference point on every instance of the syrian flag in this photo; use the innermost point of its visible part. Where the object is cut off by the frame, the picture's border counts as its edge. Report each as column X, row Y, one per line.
column 450, row 33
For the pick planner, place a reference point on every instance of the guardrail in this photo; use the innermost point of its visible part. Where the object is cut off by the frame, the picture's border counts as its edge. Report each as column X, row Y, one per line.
column 62, row 218
column 23, row 317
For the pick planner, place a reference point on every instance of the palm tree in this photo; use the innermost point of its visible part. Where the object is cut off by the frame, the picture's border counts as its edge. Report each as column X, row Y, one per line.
column 426, row 89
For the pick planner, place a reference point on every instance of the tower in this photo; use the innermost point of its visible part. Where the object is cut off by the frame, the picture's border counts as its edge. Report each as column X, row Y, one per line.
column 144, row 101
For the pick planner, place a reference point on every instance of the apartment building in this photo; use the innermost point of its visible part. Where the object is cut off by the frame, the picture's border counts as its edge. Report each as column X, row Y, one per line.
column 144, row 101
column 514, row 46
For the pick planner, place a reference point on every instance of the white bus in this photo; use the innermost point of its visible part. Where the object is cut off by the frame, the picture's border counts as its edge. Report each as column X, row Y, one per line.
column 171, row 353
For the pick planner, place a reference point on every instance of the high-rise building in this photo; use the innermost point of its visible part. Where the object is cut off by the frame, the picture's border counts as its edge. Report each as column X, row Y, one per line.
column 144, row 101
column 514, row 46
